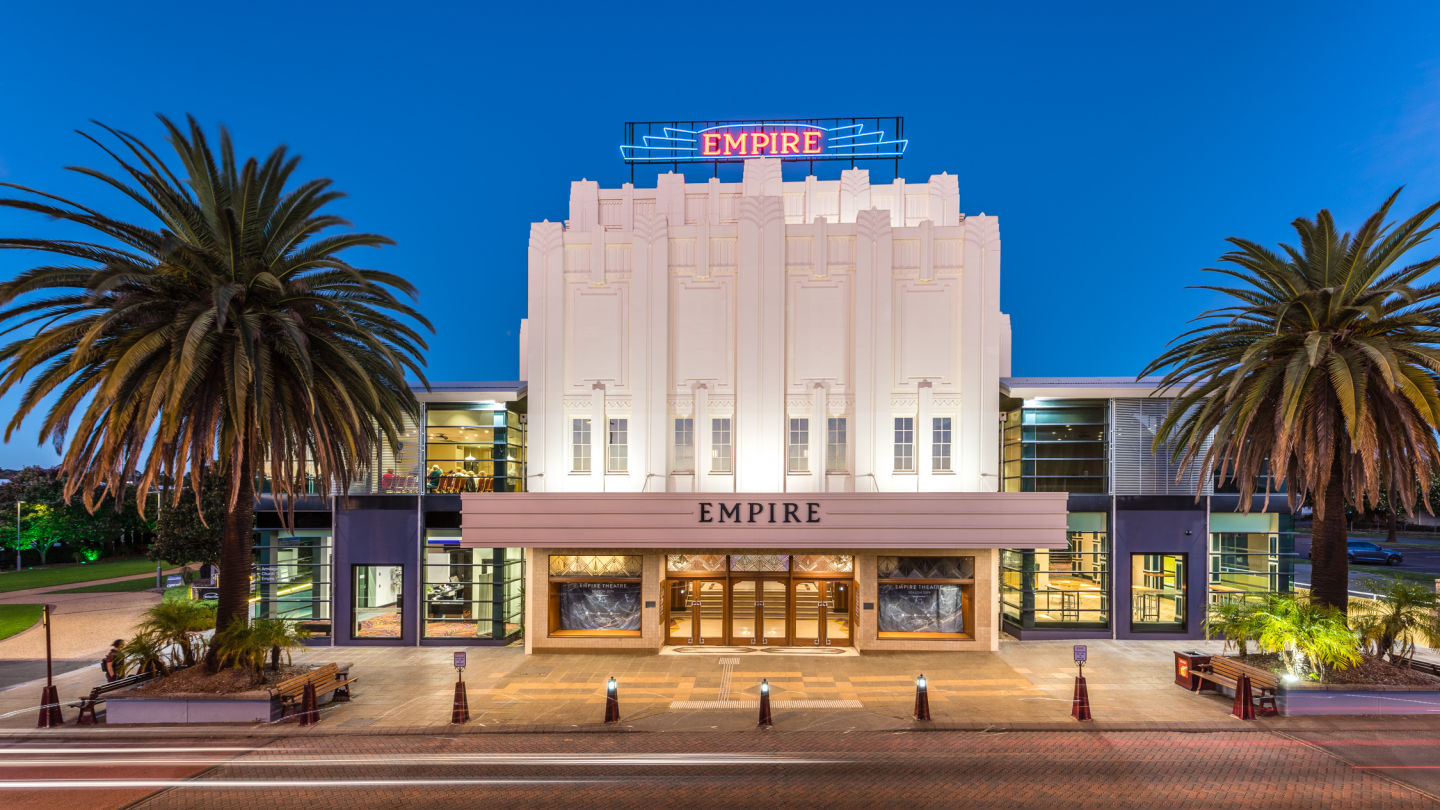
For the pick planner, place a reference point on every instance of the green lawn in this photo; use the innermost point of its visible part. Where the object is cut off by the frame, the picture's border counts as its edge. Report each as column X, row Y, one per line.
column 17, row 618
column 146, row 583
column 66, row 574
column 1385, row 571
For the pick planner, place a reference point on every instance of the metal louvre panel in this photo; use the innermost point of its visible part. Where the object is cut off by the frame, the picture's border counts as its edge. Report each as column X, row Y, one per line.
column 1135, row 468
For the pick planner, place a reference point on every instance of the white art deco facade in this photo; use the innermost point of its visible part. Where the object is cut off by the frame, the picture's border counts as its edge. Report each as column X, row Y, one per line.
column 764, row 413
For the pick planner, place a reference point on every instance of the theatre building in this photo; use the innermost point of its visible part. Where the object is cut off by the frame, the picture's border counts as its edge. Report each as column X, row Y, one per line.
column 764, row 413
column 770, row 413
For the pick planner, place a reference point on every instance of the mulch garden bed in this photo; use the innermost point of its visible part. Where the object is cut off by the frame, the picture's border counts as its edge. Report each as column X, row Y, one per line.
column 196, row 681
column 1370, row 672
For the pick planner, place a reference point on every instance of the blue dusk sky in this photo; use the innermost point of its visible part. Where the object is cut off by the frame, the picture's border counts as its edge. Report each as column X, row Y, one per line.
column 1119, row 144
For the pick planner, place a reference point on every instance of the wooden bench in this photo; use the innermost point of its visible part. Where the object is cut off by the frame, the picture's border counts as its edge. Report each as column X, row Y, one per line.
column 1227, row 671
column 97, row 696
column 326, row 679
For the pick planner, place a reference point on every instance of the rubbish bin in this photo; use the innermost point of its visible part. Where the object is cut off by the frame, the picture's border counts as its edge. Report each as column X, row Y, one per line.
column 1186, row 662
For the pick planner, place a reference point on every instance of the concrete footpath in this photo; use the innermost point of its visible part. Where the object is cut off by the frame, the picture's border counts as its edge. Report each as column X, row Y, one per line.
column 1025, row 686
column 83, row 626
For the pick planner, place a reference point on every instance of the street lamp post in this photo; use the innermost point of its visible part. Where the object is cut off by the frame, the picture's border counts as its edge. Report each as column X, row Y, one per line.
column 17, row 536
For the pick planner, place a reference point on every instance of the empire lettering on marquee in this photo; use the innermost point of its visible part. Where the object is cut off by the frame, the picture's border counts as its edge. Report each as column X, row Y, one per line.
column 761, row 142
column 759, row 512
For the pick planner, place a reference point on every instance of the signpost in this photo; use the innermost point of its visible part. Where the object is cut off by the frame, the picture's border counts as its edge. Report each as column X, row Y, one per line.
column 460, row 711
column 1080, row 705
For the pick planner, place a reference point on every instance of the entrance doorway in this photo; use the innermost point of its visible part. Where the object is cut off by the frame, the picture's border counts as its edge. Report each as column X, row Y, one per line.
column 761, row 611
column 1157, row 592
column 822, row 612
column 696, row 612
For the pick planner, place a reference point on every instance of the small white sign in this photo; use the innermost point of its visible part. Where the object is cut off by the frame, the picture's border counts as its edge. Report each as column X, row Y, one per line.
column 174, row 579
column 459, row 660
column 1080, row 652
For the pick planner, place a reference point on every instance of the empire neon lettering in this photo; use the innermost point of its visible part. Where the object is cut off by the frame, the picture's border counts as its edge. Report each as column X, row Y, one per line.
column 761, row 142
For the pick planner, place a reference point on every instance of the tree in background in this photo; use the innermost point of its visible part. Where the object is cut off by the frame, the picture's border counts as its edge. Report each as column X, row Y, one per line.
column 1325, row 371
column 189, row 531
column 223, row 331
column 48, row 522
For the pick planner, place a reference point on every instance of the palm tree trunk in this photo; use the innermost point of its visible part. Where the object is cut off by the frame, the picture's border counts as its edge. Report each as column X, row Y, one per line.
column 235, row 548
column 1390, row 529
column 1329, row 563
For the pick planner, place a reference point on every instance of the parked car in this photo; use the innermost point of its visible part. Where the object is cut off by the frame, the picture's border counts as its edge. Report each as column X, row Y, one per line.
column 1360, row 551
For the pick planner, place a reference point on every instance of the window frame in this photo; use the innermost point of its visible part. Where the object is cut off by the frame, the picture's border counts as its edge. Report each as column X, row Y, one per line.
column 904, row 450
column 617, row 461
column 729, row 445
column 581, row 457
column 797, row 446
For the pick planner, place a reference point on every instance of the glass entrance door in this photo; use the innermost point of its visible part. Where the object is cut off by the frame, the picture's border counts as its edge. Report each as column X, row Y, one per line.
column 696, row 612
column 822, row 612
column 774, row 612
column 744, row 612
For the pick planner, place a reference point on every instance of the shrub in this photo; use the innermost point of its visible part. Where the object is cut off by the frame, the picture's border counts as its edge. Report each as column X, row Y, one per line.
column 1390, row 626
column 178, row 625
column 1310, row 638
column 1236, row 622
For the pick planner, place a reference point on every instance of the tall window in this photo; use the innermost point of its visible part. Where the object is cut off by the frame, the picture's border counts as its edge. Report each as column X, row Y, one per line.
column 617, row 449
column 798, row 453
column 904, row 444
column 722, row 449
column 684, row 445
column 835, row 441
column 580, row 445
column 940, row 442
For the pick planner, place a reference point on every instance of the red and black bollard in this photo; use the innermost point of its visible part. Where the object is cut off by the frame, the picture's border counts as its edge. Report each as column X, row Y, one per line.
column 1080, row 705
column 922, row 699
column 1244, row 696
column 50, row 715
column 50, row 708
column 612, row 702
column 460, row 711
column 765, row 719
column 309, row 706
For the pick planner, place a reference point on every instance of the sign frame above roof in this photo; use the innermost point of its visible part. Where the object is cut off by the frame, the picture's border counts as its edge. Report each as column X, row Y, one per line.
column 790, row 139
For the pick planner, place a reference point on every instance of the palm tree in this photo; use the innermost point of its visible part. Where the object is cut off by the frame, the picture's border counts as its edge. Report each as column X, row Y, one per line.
column 178, row 624
column 1404, row 613
column 225, row 331
column 1323, row 373
column 1236, row 622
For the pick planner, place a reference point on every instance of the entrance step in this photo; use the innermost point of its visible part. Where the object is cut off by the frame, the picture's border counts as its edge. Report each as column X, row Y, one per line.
column 725, row 705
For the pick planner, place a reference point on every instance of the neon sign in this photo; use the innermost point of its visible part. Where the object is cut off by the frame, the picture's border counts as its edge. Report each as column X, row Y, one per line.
column 763, row 142
column 849, row 139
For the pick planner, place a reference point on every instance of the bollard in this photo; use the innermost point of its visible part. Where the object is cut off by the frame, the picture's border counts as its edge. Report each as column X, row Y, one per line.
column 765, row 720
column 50, row 708
column 1080, row 706
column 922, row 699
column 612, row 702
column 309, row 706
column 460, row 711
column 1244, row 707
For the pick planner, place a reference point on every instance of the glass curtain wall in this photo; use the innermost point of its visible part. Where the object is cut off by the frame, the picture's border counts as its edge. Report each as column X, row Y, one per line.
column 393, row 472
column 471, row 592
column 291, row 580
column 1055, row 445
column 1069, row 588
column 1250, row 557
column 474, row 447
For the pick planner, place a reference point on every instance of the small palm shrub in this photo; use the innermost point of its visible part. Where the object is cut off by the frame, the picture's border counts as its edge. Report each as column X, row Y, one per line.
column 1236, row 622
column 239, row 646
column 1390, row 626
column 146, row 652
column 279, row 635
column 179, row 625
column 1310, row 638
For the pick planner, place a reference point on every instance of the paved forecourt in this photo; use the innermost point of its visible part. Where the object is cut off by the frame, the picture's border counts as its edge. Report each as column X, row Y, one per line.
column 1025, row 683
